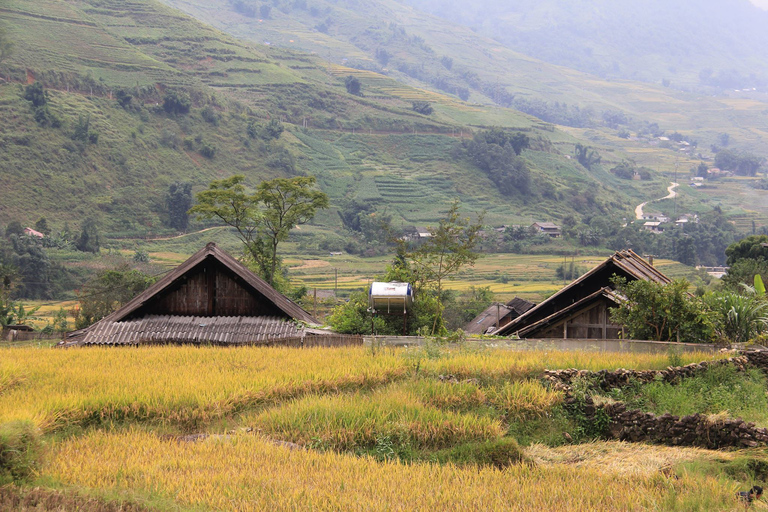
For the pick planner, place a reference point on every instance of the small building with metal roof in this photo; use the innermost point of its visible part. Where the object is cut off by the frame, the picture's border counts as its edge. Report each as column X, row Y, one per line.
column 210, row 298
column 580, row 310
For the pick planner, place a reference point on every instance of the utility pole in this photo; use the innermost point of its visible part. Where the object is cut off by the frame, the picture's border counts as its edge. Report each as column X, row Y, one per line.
column 673, row 190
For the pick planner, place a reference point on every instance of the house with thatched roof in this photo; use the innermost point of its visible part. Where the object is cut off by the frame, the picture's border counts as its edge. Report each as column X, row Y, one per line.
column 210, row 298
column 581, row 309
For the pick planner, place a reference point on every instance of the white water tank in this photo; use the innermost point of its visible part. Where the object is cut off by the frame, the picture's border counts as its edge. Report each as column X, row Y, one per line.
column 394, row 298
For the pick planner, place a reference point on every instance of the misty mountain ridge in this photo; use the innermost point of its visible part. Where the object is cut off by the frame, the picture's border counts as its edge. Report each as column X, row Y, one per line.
column 709, row 42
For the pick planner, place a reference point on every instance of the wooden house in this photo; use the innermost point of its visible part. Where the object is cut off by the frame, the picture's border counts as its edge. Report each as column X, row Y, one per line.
column 210, row 298
column 496, row 315
column 548, row 228
column 580, row 310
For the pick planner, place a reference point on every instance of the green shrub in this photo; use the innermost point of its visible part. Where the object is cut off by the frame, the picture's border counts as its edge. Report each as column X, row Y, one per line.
column 20, row 449
column 499, row 453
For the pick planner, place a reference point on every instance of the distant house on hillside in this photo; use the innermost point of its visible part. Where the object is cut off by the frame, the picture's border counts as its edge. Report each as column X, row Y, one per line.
column 581, row 309
column 497, row 315
column 686, row 219
column 548, row 228
column 32, row 232
column 653, row 227
column 210, row 298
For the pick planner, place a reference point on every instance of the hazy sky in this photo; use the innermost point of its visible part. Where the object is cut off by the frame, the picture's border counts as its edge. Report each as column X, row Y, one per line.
column 760, row 3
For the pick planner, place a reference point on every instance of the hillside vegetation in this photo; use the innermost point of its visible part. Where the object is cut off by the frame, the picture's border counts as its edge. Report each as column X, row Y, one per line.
column 119, row 63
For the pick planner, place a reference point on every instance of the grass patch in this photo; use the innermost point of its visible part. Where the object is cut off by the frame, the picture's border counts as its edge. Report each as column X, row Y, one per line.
column 392, row 415
column 718, row 390
column 498, row 453
column 20, row 449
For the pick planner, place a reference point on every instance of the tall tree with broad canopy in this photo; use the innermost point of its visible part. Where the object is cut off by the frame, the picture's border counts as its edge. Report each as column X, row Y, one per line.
column 262, row 219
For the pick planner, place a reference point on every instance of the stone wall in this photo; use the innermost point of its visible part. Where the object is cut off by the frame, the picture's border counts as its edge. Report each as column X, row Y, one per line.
column 607, row 380
column 637, row 426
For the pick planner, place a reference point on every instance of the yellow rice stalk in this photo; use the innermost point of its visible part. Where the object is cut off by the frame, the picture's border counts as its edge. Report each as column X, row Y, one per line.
column 522, row 399
column 246, row 473
column 189, row 386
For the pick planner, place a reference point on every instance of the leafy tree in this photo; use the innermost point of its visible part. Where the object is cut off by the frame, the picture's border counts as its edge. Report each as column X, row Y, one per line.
column 89, row 239
column 661, row 312
column 178, row 201
column 8, row 274
column 32, row 275
column 744, row 164
column 36, row 94
column 743, row 271
column 262, row 219
column 422, row 107
column 450, row 248
column 209, row 115
column 207, row 150
column 625, row 170
column 83, row 132
column 494, row 153
column 382, row 56
column 447, row 62
column 754, row 247
column 176, row 102
column 42, row 226
column 265, row 11
column 273, row 130
column 14, row 228
column 287, row 202
column 587, row 156
column 686, row 251
column 14, row 313
column 363, row 218
column 123, row 98
column 461, row 310
column 353, row 85
column 108, row 291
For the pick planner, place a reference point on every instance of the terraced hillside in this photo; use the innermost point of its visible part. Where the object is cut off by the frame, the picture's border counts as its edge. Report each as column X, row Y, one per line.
column 416, row 48
column 91, row 53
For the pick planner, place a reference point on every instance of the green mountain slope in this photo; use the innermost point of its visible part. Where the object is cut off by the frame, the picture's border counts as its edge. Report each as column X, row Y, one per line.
column 372, row 148
column 423, row 50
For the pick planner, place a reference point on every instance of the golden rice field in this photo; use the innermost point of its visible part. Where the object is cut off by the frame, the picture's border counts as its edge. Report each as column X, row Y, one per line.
column 247, row 472
column 190, row 386
column 106, row 414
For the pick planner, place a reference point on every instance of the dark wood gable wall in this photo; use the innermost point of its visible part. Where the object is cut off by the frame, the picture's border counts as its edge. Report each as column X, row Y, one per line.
column 209, row 289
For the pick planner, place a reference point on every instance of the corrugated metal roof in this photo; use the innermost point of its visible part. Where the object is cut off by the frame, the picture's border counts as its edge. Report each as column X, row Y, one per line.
column 188, row 329
column 488, row 318
column 627, row 261
column 520, row 305
column 116, row 330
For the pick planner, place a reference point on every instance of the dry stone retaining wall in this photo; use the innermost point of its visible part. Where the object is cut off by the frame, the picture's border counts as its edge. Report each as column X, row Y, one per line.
column 638, row 426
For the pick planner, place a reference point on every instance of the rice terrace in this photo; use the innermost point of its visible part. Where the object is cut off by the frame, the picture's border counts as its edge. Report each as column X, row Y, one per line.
column 383, row 255
column 348, row 428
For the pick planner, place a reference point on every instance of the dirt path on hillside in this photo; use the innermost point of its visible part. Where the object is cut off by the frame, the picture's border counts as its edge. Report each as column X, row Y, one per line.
column 672, row 194
column 182, row 235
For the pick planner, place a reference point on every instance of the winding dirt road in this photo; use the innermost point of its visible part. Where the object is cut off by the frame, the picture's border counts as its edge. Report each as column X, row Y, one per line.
column 672, row 194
